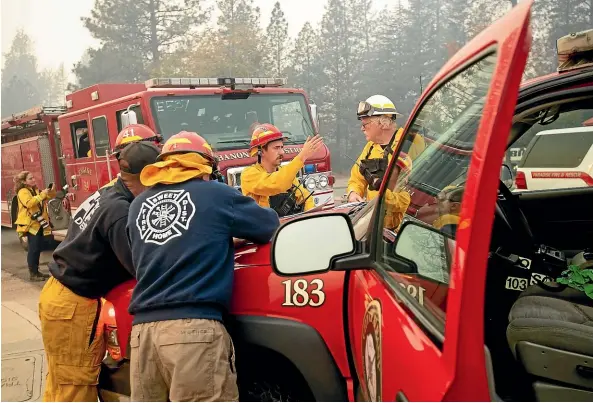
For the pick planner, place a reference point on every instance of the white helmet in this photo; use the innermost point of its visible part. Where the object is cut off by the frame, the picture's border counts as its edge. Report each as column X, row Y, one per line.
column 377, row 105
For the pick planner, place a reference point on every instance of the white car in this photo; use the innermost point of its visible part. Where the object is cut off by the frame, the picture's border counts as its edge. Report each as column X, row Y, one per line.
column 557, row 159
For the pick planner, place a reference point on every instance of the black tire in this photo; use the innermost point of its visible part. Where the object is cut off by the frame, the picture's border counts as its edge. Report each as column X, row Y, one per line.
column 267, row 391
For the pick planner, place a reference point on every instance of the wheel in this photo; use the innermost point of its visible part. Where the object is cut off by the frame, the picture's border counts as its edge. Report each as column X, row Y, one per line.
column 267, row 391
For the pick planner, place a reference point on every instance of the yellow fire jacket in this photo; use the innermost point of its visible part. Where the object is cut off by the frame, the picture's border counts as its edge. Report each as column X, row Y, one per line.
column 28, row 205
column 257, row 183
column 358, row 184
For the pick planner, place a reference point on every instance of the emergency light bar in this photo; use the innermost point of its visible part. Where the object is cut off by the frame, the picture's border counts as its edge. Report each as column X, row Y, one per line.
column 575, row 50
column 214, row 82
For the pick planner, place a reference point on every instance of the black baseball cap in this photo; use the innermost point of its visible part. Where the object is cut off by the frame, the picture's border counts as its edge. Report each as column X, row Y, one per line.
column 135, row 156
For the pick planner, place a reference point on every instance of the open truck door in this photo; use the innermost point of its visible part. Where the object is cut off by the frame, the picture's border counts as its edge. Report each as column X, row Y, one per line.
column 410, row 340
column 414, row 304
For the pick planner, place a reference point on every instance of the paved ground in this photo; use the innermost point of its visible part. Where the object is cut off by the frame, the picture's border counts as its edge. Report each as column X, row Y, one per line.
column 23, row 358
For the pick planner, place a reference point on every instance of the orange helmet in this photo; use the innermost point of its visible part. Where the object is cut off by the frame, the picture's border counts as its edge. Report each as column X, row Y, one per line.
column 187, row 142
column 262, row 135
column 135, row 132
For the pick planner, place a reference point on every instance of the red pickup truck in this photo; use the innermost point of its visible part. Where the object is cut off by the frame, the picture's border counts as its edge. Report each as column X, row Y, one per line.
column 454, row 304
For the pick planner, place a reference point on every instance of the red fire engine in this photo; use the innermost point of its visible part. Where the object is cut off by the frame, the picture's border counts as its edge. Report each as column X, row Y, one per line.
column 31, row 142
column 219, row 109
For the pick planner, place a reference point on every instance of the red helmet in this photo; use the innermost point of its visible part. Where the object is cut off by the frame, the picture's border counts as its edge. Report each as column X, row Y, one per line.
column 135, row 132
column 187, row 142
column 262, row 135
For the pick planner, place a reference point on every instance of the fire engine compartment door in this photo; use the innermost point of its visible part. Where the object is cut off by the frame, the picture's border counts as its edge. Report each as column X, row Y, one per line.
column 419, row 338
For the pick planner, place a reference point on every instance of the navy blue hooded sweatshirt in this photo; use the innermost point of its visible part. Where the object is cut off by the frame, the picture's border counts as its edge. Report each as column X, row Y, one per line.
column 182, row 248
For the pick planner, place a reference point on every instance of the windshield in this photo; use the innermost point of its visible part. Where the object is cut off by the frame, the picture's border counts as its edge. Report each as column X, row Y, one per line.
column 224, row 122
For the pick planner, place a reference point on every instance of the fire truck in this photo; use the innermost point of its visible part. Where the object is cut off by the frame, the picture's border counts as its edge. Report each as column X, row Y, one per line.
column 418, row 313
column 31, row 142
column 219, row 109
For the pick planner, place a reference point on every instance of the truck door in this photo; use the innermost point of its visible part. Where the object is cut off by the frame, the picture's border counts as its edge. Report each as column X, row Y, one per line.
column 80, row 162
column 102, row 151
column 415, row 316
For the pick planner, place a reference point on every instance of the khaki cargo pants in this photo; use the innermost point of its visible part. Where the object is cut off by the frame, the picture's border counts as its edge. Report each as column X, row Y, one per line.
column 73, row 342
column 182, row 360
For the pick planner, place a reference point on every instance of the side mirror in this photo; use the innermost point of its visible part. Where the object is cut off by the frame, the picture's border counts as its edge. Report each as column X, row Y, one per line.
column 327, row 236
column 128, row 117
column 506, row 176
column 315, row 116
column 427, row 251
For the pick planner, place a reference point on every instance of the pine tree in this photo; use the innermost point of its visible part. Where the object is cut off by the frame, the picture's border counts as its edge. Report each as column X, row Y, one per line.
column 304, row 61
column 148, row 28
column 238, row 38
column 22, row 86
column 55, row 83
column 110, row 63
column 341, row 48
column 277, row 42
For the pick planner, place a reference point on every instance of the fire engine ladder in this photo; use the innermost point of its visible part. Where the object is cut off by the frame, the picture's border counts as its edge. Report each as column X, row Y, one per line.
column 33, row 115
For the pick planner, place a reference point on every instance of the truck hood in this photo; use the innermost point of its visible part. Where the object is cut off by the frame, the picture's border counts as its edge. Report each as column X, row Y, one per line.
column 249, row 254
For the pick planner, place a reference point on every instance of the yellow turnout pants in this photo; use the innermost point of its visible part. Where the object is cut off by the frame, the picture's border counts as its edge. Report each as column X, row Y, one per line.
column 73, row 342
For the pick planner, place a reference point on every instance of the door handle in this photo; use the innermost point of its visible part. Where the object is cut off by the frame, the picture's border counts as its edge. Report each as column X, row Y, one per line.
column 401, row 397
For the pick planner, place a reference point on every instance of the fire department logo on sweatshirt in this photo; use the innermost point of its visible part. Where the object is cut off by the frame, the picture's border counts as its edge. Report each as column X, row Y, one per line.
column 165, row 216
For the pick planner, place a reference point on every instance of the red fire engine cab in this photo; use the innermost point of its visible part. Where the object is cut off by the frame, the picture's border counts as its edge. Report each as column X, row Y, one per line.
column 219, row 109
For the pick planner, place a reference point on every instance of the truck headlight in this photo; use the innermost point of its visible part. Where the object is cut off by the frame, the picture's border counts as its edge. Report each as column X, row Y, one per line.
column 310, row 183
column 323, row 181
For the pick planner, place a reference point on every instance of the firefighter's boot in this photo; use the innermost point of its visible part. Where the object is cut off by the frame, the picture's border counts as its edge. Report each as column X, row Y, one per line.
column 36, row 275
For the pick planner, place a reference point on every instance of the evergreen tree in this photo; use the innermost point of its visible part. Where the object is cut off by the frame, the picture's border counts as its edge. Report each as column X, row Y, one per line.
column 304, row 61
column 22, row 86
column 110, row 63
column 238, row 39
column 147, row 28
column 277, row 43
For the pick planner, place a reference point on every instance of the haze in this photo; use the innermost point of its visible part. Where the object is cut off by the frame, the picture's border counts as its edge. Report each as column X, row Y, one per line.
column 60, row 36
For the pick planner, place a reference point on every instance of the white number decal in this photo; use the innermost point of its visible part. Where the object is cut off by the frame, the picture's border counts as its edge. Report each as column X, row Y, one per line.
column 416, row 292
column 297, row 293
column 538, row 277
column 516, row 283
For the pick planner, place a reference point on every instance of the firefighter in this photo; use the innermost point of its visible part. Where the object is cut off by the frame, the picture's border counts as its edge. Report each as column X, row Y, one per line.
column 32, row 219
column 131, row 134
column 378, row 115
column 449, row 207
column 181, row 232
column 270, row 184
column 93, row 258
column 397, row 198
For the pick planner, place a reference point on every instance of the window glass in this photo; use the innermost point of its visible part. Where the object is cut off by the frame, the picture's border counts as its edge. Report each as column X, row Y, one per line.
column 80, row 139
column 225, row 122
column 551, row 153
column 136, row 109
column 559, row 149
column 427, row 193
column 100, row 135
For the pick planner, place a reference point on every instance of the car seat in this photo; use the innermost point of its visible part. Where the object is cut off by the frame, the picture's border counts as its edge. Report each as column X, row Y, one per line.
column 550, row 333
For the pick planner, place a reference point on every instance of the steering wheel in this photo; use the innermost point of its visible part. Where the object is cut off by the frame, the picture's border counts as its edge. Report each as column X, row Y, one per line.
column 509, row 211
